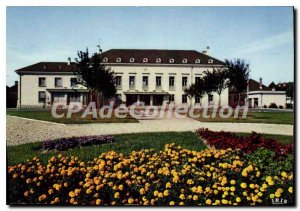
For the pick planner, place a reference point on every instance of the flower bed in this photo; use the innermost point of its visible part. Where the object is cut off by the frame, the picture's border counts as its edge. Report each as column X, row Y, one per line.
column 173, row 176
column 224, row 140
column 73, row 142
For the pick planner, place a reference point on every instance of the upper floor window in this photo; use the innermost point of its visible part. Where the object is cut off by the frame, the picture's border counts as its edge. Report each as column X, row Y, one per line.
column 131, row 80
column 58, row 82
column 118, row 59
column 184, row 61
column 42, row 97
column 171, row 60
column 197, row 80
column 131, row 60
column 184, row 81
column 197, row 61
column 171, row 81
column 42, row 82
column 118, row 81
column 184, row 98
column 73, row 82
column 210, row 61
column 105, row 59
column 145, row 60
column 145, row 81
column 158, row 81
column 158, row 60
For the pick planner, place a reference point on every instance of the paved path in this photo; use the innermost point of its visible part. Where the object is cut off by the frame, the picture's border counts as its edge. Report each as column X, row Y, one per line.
column 20, row 130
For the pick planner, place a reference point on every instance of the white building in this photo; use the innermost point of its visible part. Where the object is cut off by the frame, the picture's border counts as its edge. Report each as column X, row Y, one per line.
column 154, row 77
column 260, row 96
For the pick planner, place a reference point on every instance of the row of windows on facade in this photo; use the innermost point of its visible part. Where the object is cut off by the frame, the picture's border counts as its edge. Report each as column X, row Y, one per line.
column 158, row 60
column 118, row 81
column 57, row 82
column 75, row 97
column 71, row 97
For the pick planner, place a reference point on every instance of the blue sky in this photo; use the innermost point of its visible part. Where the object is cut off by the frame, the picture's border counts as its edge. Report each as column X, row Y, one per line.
column 263, row 36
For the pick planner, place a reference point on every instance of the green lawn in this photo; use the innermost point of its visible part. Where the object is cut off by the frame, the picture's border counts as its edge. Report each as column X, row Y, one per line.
column 75, row 119
column 124, row 143
column 271, row 117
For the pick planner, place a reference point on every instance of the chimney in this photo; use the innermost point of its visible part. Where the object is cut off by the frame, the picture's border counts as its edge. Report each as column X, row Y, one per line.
column 69, row 61
column 260, row 83
column 206, row 50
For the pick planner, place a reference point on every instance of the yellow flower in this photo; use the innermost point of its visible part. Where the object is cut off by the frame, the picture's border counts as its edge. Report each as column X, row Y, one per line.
column 98, row 201
column 168, row 185
column 121, row 187
column 166, row 193
column 172, row 203
column 195, row 197
column 182, row 197
column 71, row 194
column 291, row 189
column 279, row 190
column 277, row 194
column 232, row 188
column 272, row 196
column 208, row 201
column 232, row 182
column 252, row 186
column 284, row 174
column 155, row 193
column 130, row 201
column 181, row 203
column 117, row 195
column 224, row 201
column 243, row 185
column 142, row 191
column 238, row 199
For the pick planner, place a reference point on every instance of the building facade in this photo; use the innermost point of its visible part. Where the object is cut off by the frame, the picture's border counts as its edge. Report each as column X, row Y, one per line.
column 154, row 77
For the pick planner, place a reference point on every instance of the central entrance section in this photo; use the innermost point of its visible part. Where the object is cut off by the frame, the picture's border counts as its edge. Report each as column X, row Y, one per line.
column 146, row 98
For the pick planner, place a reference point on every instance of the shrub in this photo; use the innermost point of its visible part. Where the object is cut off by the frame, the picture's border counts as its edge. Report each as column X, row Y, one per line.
column 273, row 105
column 224, row 140
column 173, row 176
column 265, row 160
column 280, row 107
column 265, row 106
column 73, row 142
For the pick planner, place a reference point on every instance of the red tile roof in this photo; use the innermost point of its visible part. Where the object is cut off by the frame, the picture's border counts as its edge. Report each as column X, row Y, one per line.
column 255, row 86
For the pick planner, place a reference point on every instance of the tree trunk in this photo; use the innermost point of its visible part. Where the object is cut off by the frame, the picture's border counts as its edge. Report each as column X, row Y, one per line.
column 219, row 101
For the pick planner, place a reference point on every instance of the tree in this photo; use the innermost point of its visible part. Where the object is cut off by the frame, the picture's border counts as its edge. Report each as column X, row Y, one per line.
column 92, row 74
column 196, row 90
column 238, row 74
column 216, row 81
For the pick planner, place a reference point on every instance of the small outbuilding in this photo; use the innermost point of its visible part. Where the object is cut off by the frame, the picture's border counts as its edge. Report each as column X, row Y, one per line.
column 261, row 96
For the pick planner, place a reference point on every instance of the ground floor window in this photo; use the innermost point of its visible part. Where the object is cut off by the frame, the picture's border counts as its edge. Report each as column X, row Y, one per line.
column 171, row 98
column 255, row 102
column 184, row 98
column 210, row 98
column 73, row 97
column 42, row 97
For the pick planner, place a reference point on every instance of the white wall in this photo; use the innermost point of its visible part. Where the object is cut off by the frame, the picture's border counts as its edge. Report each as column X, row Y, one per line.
column 268, row 98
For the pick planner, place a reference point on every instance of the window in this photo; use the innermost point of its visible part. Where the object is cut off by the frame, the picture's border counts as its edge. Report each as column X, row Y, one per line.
column 131, row 82
column 42, row 82
column 131, row 60
column 58, row 82
column 73, row 97
column 73, row 82
column 158, row 60
column 184, row 81
column 197, row 99
column 171, row 60
column 118, row 81
column 171, row 98
column 145, row 60
column 184, row 61
column 210, row 61
column 158, row 81
column 197, row 61
column 145, row 81
column 118, row 60
column 171, row 81
column 210, row 98
column 184, row 98
column 42, row 97
column 105, row 59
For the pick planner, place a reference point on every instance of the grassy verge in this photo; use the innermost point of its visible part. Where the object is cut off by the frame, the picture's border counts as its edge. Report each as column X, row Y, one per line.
column 124, row 143
column 256, row 117
column 75, row 118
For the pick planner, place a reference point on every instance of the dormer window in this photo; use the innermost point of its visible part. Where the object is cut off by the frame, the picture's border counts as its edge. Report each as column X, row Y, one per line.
column 184, row 61
column 210, row 61
column 131, row 60
column 197, row 61
column 118, row 60
column 171, row 60
column 105, row 59
column 158, row 60
column 145, row 60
